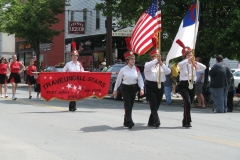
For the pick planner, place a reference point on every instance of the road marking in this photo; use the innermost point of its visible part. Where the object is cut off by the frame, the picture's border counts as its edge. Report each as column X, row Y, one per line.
column 236, row 144
column 40, row 104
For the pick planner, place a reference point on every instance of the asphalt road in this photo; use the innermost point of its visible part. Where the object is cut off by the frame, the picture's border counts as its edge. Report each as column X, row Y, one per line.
column 37, row 130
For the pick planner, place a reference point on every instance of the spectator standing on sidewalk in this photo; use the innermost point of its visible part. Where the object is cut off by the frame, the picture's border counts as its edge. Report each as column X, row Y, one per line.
column 187, row 66
column 175, row 73
column 38, row 86
column 14, row 78
column 168, row 88
column 104, row 67
column 30, row 80
column 220, row 75
column 199, row 85
column 3, row 76
column 230, row 96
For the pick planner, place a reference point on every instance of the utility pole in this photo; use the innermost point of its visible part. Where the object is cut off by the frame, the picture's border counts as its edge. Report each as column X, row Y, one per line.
column 0, row 44
column 109, row 41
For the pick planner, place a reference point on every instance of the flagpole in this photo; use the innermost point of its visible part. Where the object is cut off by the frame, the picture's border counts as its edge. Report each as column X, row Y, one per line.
column 194, row 43
column 159, row 69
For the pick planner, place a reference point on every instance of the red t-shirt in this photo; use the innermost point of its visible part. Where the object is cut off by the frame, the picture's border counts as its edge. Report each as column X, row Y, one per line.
column 30, row 70
column 3, row 68
column 15, row 67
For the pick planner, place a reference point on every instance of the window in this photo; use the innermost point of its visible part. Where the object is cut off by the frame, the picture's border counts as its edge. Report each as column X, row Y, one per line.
column 237, row 74
column 85, row 14
column 97, row 19
column 72, row 15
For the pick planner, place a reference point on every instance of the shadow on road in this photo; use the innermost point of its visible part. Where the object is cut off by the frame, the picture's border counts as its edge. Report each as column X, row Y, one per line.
column 137, row 127
column 63, row 112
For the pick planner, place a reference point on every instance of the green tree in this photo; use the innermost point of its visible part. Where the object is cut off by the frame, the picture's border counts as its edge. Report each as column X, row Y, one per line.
column 218, row 29
column 31, row 20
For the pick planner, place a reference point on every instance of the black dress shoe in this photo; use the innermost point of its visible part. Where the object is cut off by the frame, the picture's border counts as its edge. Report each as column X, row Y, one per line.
column 187, row 125
column 129, row 125
column 157, row 124
column 151, row 125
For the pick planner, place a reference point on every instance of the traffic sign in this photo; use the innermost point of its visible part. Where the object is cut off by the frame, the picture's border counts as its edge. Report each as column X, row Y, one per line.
column 45, row 46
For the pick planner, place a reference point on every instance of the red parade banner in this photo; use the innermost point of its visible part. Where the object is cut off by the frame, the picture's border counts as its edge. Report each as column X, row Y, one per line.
column 73, row 85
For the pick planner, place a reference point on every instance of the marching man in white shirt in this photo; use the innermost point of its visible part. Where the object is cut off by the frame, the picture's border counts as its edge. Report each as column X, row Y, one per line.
column 73, row 66
column 154, row 84
column 184, row 87
column 130, row 77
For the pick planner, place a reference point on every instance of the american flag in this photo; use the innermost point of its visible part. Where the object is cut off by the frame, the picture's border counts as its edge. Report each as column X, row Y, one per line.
column 147, row 26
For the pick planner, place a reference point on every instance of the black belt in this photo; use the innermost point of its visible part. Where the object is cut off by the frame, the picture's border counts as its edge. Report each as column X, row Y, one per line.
column 186, row 81
column 130, row 85
column 152, row 81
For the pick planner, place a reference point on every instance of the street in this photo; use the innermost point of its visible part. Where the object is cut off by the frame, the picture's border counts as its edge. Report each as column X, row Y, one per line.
column 37, row 130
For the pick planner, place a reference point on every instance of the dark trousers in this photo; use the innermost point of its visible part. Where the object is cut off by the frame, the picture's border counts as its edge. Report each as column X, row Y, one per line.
column 230, row 100
column 188, row 96
column 129, row 95
column 72, row 105
column 154, row 95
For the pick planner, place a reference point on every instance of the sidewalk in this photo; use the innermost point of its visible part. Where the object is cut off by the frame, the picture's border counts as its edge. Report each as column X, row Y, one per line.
column 19, row 85
column 179, row 100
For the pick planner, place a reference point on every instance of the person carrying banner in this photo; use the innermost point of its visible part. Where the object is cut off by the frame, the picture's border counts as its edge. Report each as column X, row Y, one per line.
column 73, row 66
column 30, row 80
column 3, row 76
column 130, row 78
column 187, row 94
column 14, row 77
column 154, row 93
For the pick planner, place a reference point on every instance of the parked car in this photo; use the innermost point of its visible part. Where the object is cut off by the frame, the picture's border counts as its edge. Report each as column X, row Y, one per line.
column 53, row 69
column 236, row 76
column 115, row 70
column 234, row 69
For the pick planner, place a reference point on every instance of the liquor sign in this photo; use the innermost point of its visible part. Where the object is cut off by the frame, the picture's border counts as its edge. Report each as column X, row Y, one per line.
column 76, row 27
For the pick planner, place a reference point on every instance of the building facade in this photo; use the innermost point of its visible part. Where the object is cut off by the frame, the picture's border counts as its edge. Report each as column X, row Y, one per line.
column 86, row 27
column 7, row 45
column 51, row 56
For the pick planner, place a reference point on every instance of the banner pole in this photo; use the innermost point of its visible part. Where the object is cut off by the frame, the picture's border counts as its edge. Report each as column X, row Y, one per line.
column 159, row 69
column 194, row 42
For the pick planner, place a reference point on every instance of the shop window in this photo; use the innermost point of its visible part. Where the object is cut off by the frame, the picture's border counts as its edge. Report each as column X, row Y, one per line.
column 72, row 15
column 85, row 14
column 97, row 19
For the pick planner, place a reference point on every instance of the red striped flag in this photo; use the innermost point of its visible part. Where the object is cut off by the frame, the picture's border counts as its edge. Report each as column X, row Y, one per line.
column 148, row 24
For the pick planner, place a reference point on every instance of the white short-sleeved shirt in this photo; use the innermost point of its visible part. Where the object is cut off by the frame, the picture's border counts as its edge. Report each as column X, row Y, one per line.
column 71, row 67
column 129, row 76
